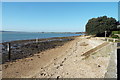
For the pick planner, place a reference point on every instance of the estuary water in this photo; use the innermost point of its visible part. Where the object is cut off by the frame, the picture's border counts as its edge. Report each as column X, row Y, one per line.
column 13, row 36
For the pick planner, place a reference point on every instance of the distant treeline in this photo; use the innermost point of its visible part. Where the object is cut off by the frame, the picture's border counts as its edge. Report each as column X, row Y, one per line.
column 98, row 26
column 50, row 32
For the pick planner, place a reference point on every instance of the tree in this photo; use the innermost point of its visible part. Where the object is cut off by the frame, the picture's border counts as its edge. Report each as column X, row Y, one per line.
column 98, row 26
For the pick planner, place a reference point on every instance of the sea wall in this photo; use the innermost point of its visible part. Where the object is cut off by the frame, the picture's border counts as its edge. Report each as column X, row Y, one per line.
column 110, row 50
column 112, row 66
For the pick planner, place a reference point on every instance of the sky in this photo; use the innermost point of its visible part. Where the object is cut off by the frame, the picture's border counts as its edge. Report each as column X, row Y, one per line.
column 53, row 16
column 60, row 0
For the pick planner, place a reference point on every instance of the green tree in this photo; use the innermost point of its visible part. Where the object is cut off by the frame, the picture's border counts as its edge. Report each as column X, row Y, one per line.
column 97, row 26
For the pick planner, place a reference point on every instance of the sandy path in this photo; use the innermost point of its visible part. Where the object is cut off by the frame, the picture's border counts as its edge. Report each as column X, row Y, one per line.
column 64, row 62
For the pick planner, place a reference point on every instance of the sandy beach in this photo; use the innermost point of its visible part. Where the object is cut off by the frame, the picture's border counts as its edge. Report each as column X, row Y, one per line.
column 61, row 62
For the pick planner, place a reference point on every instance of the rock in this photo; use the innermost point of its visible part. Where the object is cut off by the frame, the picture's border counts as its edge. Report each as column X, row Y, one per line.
column 99, row 66
column 6, row 66
column 58, row 77
column 62, row 61
column 64, row 58
column 67, row 73
column 17, row 72
column 43, row 74
column 38, row 56
column 57, row 67
column 61, row 64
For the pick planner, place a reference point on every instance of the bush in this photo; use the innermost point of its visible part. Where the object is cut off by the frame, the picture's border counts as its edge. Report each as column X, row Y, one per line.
column 98, row 26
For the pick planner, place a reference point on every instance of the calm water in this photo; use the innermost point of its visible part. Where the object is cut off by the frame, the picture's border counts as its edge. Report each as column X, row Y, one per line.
column 12, row 36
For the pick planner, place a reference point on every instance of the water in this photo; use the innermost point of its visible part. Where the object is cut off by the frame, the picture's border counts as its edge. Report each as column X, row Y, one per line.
column 12, row 36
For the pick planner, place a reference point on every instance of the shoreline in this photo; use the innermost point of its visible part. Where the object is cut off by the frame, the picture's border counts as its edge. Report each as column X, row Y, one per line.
column 25, row 48
column 25, row 37
column 55, row 62
column 40, row 39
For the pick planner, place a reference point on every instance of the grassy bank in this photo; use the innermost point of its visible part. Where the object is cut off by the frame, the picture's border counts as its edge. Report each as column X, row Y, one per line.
column 25, row 48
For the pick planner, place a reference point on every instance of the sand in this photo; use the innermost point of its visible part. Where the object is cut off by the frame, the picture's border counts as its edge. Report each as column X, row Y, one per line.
column 61, row 62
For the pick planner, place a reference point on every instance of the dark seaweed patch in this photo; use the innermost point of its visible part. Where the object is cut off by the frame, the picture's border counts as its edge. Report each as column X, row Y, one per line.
column 23, row 49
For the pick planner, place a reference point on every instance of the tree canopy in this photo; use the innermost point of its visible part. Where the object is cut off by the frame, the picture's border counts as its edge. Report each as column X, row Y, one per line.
column 98, row 26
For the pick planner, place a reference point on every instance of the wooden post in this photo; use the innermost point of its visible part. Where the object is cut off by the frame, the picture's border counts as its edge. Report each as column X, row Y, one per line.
column 105, row 34
column 107, row 40
column 36, row 40
column 9, row 51
column 113, row 40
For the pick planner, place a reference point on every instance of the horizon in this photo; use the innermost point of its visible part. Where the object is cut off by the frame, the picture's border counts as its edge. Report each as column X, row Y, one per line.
column 39, row 32
column 54, row 16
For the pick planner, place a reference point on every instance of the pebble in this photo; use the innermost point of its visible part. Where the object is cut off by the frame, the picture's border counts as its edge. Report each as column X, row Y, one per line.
column 58, row 77
column 99, row 66
column 57, row 67
column 61, row 64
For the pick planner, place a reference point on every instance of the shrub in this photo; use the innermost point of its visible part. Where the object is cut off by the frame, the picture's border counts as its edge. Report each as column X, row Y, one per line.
column 98, row 26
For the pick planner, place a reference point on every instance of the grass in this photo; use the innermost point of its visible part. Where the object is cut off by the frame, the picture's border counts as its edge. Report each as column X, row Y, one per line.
column 115, row 32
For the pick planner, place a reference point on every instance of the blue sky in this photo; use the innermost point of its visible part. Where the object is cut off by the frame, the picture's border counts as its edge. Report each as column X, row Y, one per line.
column 53, row 16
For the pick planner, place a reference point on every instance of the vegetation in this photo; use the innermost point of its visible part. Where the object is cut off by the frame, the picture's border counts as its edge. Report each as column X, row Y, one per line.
column 115, row 36
column 115, row 32
column 98, row 26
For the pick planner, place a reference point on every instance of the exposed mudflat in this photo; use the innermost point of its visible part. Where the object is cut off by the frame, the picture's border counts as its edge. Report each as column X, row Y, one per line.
column 61, row 62
column 25, row 48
